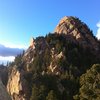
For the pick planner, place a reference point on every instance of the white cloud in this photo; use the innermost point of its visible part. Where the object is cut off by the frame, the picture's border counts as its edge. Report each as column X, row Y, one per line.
column 98, row 24
column 6, row 59
column 10, row 58
column 98, row 31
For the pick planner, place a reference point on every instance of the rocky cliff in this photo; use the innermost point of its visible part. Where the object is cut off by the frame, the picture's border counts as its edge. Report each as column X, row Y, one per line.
column 3, row 82
column 3, row 92
column 72, row 26
column 4, row 74
column 54, row 63
column 17, row 84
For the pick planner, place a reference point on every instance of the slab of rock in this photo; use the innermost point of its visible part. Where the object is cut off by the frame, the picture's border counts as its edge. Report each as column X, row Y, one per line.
column 3, row 92
column 17, row 85
column 73, row 27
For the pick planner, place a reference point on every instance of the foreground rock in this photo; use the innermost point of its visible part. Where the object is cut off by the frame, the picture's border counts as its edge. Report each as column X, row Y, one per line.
column 3, row 92
column 17, row 85
column 4, row 74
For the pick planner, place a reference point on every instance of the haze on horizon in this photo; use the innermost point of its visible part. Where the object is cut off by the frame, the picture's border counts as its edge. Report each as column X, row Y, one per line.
column 22, row 19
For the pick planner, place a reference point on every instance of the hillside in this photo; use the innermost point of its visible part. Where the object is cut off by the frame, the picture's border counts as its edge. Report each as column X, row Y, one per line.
column 53, row 66
column 3, row 82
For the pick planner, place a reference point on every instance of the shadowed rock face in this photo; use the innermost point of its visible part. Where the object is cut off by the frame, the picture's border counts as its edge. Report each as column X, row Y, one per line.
column 3, row 92
column 4, row 74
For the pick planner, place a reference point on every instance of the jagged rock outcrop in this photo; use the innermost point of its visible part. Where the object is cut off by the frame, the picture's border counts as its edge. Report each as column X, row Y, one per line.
column 32, row 43
column 53, row 68
column 73, row 27
column 3, row 92
column 68, row 52
column 17, row 85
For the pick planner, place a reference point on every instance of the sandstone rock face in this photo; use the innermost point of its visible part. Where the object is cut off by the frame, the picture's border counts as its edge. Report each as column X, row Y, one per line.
column 17, row 85
column 53, row 68
column 32, row 42
column 3, row 92
column 73, row 27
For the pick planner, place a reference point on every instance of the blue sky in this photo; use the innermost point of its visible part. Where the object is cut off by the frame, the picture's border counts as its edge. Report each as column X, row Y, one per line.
column 22, row 19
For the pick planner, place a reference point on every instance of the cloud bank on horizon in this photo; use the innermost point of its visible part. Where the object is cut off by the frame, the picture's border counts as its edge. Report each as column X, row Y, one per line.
column 7, row 54
column 98, row 30
column 7, row 51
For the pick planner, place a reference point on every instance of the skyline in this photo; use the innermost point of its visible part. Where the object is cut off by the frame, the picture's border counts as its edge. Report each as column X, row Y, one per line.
column 22, row 19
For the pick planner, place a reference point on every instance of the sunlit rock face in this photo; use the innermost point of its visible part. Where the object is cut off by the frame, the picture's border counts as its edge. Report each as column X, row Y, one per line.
column 3, row 92
column 32, row 42
column 17, row 85
column 73, row 27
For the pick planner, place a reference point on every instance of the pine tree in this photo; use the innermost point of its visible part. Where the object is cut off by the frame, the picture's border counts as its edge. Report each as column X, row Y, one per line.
column 51, row 96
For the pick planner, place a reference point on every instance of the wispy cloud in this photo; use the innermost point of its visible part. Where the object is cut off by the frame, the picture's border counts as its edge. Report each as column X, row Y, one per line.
column 98, row 31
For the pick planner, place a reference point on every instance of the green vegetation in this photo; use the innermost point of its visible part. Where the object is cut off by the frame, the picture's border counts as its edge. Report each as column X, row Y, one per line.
column 90, row 84
column 72, row 80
